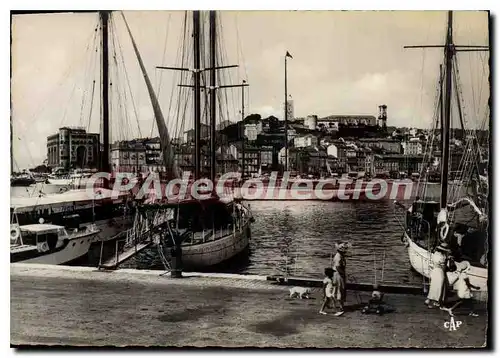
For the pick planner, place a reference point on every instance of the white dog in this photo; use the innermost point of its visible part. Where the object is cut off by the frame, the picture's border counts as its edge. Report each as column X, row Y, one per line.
column 301, row 292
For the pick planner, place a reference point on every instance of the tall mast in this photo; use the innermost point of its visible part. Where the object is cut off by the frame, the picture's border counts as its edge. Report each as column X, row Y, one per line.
column 213, row 109
column 286, row 116
column 11, row 147
column 197, row 86
column 441, row 104
column 104, row 17
column 197, row 96
column 243, row 134
column 450, row 49
column 448, row 55
column 165, row 142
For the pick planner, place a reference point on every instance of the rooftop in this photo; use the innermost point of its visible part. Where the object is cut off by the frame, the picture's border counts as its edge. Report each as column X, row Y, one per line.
column 40, row 228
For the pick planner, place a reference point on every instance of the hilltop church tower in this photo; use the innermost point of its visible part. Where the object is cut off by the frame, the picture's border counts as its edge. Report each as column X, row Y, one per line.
column 382, row 116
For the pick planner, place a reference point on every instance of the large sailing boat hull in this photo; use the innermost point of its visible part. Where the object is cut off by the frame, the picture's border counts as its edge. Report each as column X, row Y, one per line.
column 206, row 254
column 420, row 260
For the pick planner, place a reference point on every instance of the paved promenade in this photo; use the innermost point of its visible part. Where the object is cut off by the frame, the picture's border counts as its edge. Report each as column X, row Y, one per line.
column 81, row 306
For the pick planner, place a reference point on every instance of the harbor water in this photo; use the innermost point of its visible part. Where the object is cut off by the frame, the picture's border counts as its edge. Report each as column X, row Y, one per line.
column 298, row 237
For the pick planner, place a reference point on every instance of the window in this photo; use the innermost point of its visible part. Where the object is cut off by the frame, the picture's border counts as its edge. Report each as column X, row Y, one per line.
column 29, row 238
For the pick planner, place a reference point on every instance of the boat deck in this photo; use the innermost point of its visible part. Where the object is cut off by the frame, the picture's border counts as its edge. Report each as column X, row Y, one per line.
column 57, row 305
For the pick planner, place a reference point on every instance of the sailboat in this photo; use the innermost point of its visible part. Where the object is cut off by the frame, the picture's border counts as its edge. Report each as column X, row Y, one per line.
column 459, row 220
column 103, row 215
column 209, row 230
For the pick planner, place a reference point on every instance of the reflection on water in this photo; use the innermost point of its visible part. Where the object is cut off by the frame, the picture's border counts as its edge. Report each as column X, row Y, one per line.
column 306, row 233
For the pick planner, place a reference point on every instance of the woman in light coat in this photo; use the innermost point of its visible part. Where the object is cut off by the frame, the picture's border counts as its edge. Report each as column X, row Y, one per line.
column 339, row 276
column 438, row 279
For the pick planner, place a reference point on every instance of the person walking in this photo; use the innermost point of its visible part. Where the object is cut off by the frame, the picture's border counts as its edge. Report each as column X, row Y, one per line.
column 438, row 278
column 339, row 276
column 327, row 290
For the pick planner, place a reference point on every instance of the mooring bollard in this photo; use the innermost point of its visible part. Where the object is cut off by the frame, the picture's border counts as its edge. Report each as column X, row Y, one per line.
column 176, row 262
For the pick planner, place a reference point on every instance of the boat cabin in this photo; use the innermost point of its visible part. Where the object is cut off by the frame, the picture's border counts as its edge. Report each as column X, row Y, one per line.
column 28, row 241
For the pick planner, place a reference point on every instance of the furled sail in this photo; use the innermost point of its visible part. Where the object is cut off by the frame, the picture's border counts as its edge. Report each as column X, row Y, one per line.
column 166, row 145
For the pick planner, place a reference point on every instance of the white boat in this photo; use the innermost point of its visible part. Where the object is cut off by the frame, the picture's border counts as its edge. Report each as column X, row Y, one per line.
column 78, row 179
column 49, row 244
column 429, row 223
column 77, row 209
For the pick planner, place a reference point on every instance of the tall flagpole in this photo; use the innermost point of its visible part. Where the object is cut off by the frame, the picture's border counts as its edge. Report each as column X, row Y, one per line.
column 286, row 111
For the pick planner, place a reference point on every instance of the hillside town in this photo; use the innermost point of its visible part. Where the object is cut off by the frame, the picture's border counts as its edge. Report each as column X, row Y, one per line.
column 360, row 146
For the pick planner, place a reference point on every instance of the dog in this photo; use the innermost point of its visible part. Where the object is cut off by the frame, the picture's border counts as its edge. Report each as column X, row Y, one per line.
column 301, row 292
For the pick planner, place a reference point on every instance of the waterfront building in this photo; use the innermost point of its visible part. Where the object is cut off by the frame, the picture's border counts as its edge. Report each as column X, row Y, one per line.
column 129, row 157
column 392, row 164
column 154, row 156
column 73, row 147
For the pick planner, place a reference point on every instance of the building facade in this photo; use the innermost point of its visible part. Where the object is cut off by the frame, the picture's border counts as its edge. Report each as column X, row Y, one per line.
column 389, row 145
column 204, row 133
column 305, row 141
column 129, row 157
column 73, row 147
column 413, row 147
column 388, row 164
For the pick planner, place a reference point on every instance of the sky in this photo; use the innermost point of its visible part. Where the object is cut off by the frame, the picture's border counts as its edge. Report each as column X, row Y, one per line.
column 344, row 62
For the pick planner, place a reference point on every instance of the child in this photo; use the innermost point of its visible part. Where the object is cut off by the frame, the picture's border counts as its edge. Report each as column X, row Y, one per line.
column 376, row 295
column 327, row 290
column 375, row 304
column 460, row 281
column 329, row 286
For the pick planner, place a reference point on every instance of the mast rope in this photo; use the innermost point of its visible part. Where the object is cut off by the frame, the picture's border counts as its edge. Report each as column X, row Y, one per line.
column 429, row 147
column 129, row 87
column 122, row 127
column 158, row 89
